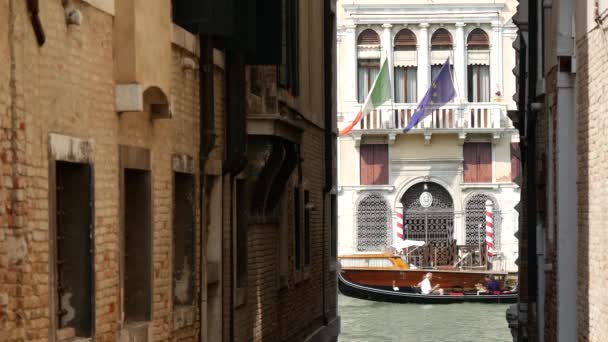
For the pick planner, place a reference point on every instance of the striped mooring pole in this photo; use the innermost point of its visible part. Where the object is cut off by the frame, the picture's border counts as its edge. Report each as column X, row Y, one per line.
column 490, row 231
column 399, row 225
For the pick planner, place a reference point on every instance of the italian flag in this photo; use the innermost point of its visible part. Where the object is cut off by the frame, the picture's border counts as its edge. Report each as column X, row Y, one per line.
column 378, row 94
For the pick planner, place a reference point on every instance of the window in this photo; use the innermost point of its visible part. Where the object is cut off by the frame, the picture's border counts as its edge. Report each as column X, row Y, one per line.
column 297, row 231
column 137, row 246
column 373, row 224
column 441, row 40
column 515, row 161
column 478, row 75
column 405, row 40
column 477, row 162
column 74, row 257
column 405, row 84
column 479, row 83
column 307, row 212
column 368, row 37
column 241, row 234
column 368, row 67
column 290, row 59
column 184, row 238
column 374, row 164
column 478, row 40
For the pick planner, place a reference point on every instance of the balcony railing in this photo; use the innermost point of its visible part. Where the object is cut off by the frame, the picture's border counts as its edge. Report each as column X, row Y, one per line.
column 451, row 117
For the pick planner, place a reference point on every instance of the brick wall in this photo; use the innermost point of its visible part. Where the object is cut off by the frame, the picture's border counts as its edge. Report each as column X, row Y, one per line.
column 291, row 312
column 67, row 87
column 592, row 186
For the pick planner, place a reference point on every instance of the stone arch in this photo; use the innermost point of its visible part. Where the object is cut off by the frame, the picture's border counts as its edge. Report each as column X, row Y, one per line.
column 373, row 220
column 403, row 187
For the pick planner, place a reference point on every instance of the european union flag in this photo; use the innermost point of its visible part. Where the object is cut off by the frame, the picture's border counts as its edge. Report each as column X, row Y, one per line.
column 441, row 92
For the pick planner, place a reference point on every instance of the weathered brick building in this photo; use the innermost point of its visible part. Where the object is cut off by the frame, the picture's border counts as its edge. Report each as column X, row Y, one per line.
column 562, row 76
column 166, row 179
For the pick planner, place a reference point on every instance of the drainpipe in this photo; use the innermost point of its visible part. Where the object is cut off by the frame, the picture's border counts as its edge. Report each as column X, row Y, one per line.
column 330, row 136
column 532, row 109
column 207, row 141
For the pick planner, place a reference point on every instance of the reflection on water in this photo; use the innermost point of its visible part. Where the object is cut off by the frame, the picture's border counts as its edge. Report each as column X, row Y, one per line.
column 367, row 321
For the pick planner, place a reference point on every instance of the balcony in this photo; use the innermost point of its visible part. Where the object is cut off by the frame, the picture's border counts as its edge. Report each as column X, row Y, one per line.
column 457, row 118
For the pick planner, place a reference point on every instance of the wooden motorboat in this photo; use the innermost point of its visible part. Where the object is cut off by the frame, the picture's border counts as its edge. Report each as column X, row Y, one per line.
column 386, row 277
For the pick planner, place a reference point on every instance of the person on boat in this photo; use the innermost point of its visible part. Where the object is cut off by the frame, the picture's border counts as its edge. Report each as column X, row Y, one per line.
column 426, row 287
column 492, row 285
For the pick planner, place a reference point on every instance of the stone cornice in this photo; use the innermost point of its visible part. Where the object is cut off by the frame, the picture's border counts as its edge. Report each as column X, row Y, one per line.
column 412, row 13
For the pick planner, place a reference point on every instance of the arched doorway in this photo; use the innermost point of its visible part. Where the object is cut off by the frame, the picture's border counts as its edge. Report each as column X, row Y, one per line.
column 373, row 223
column 430, row 220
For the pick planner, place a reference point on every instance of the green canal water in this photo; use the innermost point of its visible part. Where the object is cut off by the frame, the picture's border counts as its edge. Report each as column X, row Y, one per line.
column 367, row 321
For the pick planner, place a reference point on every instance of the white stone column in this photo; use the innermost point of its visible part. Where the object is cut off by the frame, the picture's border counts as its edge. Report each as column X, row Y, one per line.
column 424, row 60
column 495, row 60
column 460, row 63
column 349, row 74
column 497, row 33
column 387, row 50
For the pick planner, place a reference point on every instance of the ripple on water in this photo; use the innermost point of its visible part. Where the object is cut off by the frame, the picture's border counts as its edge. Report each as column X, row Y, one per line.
column 368, row 321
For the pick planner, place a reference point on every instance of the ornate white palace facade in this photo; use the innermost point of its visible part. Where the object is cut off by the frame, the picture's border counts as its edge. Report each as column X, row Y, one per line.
column 462, row 154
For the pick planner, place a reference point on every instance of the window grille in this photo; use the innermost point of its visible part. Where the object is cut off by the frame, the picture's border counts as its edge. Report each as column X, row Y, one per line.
column 475, row 220
column 373, row 224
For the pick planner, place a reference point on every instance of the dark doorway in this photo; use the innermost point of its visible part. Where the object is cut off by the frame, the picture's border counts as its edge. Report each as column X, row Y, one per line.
column 183, row 239
column 74, row 255
column 137, row 251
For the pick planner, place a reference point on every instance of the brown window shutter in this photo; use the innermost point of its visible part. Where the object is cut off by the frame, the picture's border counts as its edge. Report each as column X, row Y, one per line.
column 441, row 39
column 478, row 40
column 368, row 37
column 484, row 167
column 381, row 164
column 366, row 167
column 405, row 40
column 469, row 152
column 515, row 161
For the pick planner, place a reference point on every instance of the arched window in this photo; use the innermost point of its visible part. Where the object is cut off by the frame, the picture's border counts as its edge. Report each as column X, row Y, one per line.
column 441, row 40
column 368, row 37
column 368, row 66
column 475, row 220
column 405, row 68
column 478, row 40
column 373, row 224
column 405, row 40
column 478, row 73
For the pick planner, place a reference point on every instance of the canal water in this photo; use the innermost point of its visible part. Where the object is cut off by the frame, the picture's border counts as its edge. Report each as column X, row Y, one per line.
column 368, row 321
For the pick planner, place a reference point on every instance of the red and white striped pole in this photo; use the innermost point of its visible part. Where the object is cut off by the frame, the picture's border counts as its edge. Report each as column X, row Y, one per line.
column 399, row 225
column 490, row 231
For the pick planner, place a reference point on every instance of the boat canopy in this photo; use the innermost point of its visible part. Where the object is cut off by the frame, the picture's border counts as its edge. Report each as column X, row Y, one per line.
column 407, row 244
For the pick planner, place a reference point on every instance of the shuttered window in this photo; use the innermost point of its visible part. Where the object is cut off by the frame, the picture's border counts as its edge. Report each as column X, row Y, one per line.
column 405, row 40
column 477, row 162
column 441, row 40
column 368, row 37
column 374, row 164
column 515, row 161
column 478, row 40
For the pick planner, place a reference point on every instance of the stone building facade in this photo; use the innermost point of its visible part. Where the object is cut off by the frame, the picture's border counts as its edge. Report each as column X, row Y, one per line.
column 561, row 78
column 132, row 141
column 464, row 153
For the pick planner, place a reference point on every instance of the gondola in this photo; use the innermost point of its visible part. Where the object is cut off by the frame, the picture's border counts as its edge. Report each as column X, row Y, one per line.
column 408, row 294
